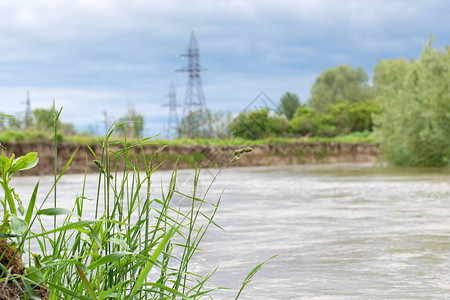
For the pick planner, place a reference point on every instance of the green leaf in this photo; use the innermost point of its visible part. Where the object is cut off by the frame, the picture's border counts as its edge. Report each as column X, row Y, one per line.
column 144, row 273
column 168, row 289
column 69, row 226
column 37, row 260
column 7, row 235
column 112, row 292
column 86, row 283
column 31, row 164
column 31, row 204
column 29, row 294
column 9, row 198
column 24, row 162
column 120, row 243
column 35, row 275
column 18, row 226
column 250, row 275
column 55, row 211
column 67, row 292
column 4, row 164
column 19, row 202
column 113, row 257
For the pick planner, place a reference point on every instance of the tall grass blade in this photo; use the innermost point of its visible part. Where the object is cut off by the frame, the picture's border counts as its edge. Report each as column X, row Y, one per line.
column 55, row 211
column 86, row 283
column 144, row 273
column 67, row 292
column 250, row 275
column 113, row 257
column 31, row 205
column 168, row 289
column 70, row 226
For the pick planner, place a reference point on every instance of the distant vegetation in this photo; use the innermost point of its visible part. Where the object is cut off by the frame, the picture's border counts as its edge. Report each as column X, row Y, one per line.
column 414, row 100
column 406, row 109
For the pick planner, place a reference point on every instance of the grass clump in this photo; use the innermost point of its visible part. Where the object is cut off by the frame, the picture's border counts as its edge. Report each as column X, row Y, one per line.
column 136, row 245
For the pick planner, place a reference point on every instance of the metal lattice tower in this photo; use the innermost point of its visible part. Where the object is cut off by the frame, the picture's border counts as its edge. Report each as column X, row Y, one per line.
column 28, row 111
column 172, row 121
column 194, row 100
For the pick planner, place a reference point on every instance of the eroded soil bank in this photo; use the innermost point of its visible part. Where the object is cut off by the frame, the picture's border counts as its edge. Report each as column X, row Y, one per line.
column 210, row 156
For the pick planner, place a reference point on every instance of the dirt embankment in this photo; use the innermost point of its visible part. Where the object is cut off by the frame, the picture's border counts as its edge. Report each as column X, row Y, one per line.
column 210, row 156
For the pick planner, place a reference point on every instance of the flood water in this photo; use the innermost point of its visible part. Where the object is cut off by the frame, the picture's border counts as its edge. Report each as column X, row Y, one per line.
column 340, row 231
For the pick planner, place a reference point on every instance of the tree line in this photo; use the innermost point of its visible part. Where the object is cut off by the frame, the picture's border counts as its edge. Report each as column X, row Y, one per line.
column 40, row 124
column 407, row 107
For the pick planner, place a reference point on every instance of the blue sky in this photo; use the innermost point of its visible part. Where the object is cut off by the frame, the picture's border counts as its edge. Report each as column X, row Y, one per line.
column 92, row 56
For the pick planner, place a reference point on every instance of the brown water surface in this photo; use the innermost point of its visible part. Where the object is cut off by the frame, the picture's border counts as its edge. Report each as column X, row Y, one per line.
column 340, row 231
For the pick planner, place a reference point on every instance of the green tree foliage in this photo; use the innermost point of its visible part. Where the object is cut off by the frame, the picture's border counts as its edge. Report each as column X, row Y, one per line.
column 353, row 117
column 414, row 124
column 251, row 126
column 307, row 122
column 390, row 73
column 43, row 119
column 289, row 103
column 133, row 123
column 278, row 127
column 258, row 124
column 339, row 84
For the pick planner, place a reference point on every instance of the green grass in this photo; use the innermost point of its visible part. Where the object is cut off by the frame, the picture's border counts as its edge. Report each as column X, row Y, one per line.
column 138, row 245
column 191, row 160
column 36, row 136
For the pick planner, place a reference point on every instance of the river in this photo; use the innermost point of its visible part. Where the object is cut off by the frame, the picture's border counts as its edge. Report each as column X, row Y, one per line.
column 340, row 231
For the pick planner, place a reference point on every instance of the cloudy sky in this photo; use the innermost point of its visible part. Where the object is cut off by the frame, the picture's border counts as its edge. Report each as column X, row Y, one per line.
column 105, row 55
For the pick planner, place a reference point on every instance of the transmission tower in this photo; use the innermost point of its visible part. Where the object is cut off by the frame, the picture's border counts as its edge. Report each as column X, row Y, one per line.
column 172, row 122
column 28, row 112
column 194, row 100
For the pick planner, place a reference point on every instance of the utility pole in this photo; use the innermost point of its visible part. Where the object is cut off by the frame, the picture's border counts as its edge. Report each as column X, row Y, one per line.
column 172, row 122
column 194, row 100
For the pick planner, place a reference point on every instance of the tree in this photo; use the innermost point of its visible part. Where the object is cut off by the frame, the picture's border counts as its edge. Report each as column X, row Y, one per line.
column 220, row 121
column 414, row 124
column 133, row 123
column 307, row 122
column 289, row 103
column 278, row 127
column 352, row 117
column 390, row 73
column 43, row 119
column 252, row 126
column 339, row 84
column 258, row 124
column 197, row 124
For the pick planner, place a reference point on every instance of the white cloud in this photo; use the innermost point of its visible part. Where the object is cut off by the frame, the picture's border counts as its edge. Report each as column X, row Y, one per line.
column 97, row 55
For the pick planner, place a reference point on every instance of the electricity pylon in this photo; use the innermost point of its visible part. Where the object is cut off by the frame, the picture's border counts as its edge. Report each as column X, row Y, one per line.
column 172, row 122
column 194, row 112
column 28, row 112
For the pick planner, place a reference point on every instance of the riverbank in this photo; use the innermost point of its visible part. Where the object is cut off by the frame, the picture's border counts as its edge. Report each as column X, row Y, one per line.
column 210, row 156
